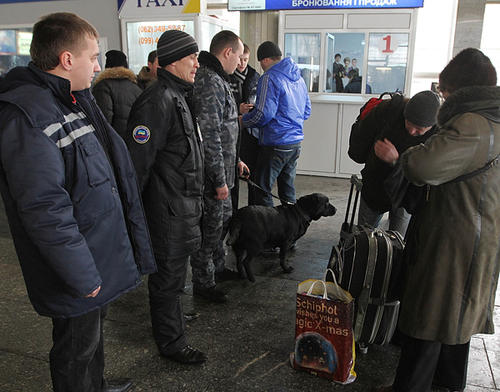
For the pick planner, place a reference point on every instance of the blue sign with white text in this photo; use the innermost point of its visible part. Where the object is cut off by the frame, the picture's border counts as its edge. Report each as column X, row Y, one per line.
column 254, row 5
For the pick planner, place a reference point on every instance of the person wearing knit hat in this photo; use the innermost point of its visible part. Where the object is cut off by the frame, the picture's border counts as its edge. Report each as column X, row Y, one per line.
column 116, row 58
column 377, row 140
column 421, row 110
column 173, row 45
column 166, row 148
column 452, row 248
column 115, row 90
column 281, row 107
column 268, row 49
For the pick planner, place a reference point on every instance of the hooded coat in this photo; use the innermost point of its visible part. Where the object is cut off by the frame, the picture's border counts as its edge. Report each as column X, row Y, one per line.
column 115, row 90
column 70, row 194
column 453, row 249
column 282, row 105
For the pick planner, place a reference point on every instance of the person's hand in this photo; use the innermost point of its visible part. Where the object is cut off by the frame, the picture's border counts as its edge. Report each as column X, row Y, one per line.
column 222, row 193
column 386, row 151
column 245, row 107
column 243, row 170
column 94, row 293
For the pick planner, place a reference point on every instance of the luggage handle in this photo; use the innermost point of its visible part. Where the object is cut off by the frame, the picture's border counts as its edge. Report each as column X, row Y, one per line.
column 325, row 294
column 357, row 184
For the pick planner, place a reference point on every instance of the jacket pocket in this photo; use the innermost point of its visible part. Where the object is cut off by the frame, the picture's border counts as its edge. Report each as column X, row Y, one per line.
column 94, row 194
column 96, row 162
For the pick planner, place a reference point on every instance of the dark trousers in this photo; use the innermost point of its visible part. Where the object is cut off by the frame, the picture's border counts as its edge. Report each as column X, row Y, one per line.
column 167, row 317
column 77, row 354
column 249, row 152
column 425, row 363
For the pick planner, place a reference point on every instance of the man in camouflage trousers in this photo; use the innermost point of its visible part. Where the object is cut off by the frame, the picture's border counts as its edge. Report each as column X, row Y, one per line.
column 217, row 115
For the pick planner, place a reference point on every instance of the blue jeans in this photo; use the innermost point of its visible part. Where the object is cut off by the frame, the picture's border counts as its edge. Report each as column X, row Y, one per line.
column 277, row 163
column 398, row 218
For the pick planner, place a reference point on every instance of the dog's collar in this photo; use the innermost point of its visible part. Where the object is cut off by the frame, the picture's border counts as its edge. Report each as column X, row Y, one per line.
column 307, row 218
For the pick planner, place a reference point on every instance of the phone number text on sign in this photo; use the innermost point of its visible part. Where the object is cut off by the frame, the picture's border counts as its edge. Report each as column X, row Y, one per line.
column 154, row 31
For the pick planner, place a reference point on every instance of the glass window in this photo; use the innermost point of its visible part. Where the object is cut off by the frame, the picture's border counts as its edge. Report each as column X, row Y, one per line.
column 387, row 62
column 14, row 48
column 344, row 62
column 491, row 31
column 208, row 30
column 142, row 38
column 304, row 49
column 433, row 42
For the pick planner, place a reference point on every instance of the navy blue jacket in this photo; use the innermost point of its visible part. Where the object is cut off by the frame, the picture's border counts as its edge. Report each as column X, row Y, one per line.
column 72, row 201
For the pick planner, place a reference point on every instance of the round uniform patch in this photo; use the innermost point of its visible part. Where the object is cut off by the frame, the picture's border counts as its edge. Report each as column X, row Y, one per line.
column 141, row 134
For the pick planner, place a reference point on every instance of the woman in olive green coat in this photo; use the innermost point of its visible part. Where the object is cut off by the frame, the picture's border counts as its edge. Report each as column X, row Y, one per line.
column 453, row 251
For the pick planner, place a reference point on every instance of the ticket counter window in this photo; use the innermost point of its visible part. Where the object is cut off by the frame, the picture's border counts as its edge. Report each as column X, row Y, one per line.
column 304, row 49
column 14, row 48
column 387, row 62
column 344, row 53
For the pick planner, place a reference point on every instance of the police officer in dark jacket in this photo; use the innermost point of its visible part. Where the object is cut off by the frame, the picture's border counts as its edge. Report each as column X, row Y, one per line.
column 71, row 197
column 387, row 131
column 166, row 148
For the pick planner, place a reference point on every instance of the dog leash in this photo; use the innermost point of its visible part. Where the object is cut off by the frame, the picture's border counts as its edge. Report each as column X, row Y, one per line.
column 249, row 181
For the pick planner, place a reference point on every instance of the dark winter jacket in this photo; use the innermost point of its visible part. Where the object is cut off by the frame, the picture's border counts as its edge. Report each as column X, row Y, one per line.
column 70, row 194
column 453, row 248
column 248, row 87
column 354, row 86
column 167, row 151
column 115, row 90
column 245, row 92
column 282, row 106
column 217, row 115
column 145, row 78
column 385, row 121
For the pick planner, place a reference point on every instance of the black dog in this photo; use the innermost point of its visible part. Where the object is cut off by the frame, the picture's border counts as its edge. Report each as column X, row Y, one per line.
column 255, row 228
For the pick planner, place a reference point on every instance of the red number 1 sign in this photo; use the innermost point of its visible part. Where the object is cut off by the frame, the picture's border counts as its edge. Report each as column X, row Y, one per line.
column 387, row 40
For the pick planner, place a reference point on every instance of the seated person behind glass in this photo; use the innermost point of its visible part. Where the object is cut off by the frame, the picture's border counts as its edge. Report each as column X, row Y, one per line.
column 354, row 85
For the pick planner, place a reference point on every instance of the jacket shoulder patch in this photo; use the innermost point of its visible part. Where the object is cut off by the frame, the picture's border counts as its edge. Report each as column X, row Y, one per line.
column 141, row 134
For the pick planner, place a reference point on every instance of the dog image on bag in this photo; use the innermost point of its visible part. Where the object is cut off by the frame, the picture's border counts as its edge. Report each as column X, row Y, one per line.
column 255, row 228
column 315, row 352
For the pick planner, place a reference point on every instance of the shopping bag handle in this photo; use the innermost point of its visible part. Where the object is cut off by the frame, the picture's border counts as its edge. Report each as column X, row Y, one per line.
column 325, row 294
column 333, row 275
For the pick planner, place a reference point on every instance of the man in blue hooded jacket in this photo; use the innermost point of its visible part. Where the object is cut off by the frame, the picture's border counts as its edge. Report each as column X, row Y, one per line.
column 281, row 108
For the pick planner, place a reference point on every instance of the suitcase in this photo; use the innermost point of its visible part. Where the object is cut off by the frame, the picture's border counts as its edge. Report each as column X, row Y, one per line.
column 367, row 263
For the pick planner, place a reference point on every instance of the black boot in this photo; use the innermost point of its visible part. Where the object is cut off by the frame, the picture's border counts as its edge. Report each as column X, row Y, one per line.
column 188, row 355
column 118, row 385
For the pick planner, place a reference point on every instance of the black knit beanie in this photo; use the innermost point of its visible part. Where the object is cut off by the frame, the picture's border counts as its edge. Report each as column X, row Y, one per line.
column 115, row 58
column 422, row 109
column 174, row 45
column 268, row 49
